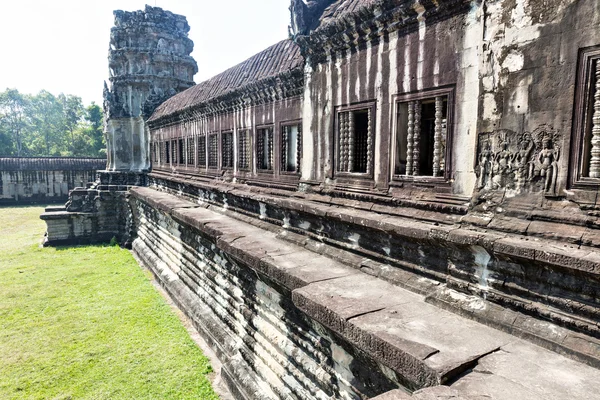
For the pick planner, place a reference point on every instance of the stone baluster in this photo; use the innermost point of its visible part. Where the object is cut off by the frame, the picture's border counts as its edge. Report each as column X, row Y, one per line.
column 595, row 151
column 369, row 143
column 443, row 146
column 417, row 138
column 437, row 136
column 409, row 138
column 298, row 148
column 270, row 148
column 260, row 149
column 343, row 141
column 284, row 147
column 350, row 142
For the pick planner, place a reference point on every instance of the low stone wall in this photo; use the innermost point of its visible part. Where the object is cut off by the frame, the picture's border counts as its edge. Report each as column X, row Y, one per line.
column 38, row 179
column 547, row 282
column 295, row 319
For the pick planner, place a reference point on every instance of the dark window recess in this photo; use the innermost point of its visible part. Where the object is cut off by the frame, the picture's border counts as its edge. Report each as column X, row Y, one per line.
column 167, row 153
column 174, row 152
column 421, row 137
column 181, row 159
column 213, row 151
column 189, row 152
column 355, row 141
column 201, row 150
column 227, row 149
column 291, row 148
column 264, row 149
column 244, row 149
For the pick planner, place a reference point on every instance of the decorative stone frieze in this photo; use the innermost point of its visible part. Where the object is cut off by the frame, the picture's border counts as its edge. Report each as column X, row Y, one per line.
column 519, row 162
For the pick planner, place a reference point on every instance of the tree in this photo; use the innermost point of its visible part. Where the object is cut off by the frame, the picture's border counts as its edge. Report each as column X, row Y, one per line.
column 47, row 119
column 13, row 117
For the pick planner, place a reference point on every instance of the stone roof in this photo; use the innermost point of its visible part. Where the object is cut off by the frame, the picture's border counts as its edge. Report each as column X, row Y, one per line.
column 51, row 164
column 340, row 8
column 275, row 60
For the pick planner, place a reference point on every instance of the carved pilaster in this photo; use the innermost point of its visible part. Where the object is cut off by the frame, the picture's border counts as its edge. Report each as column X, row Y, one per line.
column 437, row 136
column 417, row 139
column 595, row 150
column 410, row 137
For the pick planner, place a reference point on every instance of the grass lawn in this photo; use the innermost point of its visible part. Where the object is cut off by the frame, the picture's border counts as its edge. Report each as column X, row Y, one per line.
column 86, row 322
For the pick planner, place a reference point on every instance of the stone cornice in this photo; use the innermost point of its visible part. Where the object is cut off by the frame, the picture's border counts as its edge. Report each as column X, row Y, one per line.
column 282, row 86
column 371, row 23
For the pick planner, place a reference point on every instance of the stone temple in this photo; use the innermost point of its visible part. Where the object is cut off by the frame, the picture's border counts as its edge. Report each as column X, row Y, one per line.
column 398, row 201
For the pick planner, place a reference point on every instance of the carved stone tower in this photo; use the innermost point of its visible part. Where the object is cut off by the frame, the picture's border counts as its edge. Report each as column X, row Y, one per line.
column 149, row 61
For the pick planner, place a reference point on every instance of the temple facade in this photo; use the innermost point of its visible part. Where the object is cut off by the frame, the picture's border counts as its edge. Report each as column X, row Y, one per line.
column 398, row 201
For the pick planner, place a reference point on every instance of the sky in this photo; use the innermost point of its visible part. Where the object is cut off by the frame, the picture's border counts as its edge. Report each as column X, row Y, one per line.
column 62, row 45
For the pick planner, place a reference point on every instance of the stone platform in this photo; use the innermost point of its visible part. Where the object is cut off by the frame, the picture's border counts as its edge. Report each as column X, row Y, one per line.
column 290, row 322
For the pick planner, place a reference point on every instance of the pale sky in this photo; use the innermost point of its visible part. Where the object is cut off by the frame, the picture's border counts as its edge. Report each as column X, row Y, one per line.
column 62, row 45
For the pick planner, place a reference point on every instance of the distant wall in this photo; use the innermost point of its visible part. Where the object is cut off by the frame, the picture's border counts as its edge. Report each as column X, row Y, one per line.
column 37, row 179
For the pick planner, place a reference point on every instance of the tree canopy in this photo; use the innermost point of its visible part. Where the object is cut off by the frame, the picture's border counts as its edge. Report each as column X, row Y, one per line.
column 44, row 125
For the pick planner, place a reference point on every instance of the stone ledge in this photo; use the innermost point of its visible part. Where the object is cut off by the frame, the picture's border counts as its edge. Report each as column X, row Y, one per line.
column 425, row 345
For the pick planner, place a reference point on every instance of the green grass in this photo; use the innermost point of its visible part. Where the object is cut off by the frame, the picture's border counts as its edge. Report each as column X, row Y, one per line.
column 86, row 322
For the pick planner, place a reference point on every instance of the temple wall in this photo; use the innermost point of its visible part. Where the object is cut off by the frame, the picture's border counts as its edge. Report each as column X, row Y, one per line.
column 528, row 70
column 270, row 349
column 44, row 180
column 272, row 114
column 430, row 56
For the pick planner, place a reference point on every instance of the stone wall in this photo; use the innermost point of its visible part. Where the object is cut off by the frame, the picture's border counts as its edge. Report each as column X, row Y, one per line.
column 45, row 179
column 293, row 316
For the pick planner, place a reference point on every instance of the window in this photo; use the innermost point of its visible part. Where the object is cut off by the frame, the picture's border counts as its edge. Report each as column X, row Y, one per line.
column 213, row 151
column 189, row 152
column 264, row 149
column 227, row 149
column 244, row 149
column 201, row 151
column 422, row 134
column 290, row 148
column 174, row 152
column 586, row 131
column 355, row 140
column 167, row 153
column 180, row 159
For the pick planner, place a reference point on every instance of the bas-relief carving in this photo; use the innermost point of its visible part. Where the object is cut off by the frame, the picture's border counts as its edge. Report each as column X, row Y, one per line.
column 522, row 162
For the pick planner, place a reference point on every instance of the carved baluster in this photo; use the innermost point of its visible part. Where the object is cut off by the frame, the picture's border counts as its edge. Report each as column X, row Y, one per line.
column 369, row 143
column 351, row 142
column 298, row 148
column 270, row 147
column 409, row 138
column 443, row 147
column 437, row 136
column 284, row 147
column 417, row 138
column 343, row 163
column 595, row 151
column 260, row 149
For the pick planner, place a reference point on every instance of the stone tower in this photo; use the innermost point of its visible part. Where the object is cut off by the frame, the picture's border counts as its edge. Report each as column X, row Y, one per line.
column 149, row 61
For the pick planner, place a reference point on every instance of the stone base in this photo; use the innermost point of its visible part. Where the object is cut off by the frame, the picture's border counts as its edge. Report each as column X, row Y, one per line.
column 288, row 322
